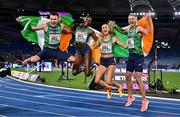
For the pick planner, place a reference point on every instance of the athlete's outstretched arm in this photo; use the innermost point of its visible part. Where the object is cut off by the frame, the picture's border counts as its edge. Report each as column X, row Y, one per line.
column 115, row 39
column 40, row 27
column 114, row 26
column 94, row 36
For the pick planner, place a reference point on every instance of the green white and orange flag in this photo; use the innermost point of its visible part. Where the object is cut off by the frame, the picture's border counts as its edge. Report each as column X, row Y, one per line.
column 119, row 51
column 38, row 35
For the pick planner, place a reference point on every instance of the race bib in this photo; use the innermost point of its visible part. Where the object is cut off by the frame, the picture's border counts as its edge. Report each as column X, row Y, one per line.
column 54, row 38
column 81, row 37
column 131, row 43
column 106, row 48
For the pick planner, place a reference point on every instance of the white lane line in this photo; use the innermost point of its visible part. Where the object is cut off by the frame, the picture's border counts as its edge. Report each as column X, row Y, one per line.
column 100, row 104
column 12, row 78
column 87, row 91
column 85, row 94
column 76, row 108
column 47, row 112
column 79, row 97
column 2, row 106
column 43, row 94
column 2, row 116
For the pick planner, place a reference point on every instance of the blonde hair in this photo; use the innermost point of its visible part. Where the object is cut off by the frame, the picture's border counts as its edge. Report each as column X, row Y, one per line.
column 132, row 14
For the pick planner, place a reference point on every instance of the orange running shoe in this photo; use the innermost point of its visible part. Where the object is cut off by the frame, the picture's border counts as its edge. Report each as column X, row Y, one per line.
column 144, row 105
column 129, row 101
column 109, row 93
column 120, row 90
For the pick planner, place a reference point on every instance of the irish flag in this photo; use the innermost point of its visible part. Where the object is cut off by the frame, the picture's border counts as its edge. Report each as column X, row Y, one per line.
column 119, row 51
column 38, row 36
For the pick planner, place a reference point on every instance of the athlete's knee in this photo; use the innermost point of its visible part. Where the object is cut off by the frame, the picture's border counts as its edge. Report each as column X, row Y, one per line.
column 128, row 79
column 71, row 59
column 34, row 59
column 128, row 76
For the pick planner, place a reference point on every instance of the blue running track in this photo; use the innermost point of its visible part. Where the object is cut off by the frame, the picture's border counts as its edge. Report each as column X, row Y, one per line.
column 19, row 98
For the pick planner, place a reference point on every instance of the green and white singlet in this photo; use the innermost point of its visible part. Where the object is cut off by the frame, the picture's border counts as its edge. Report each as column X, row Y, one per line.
column 134, row 43
column 81, row 35
column 53, row 36
column 106, row 47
